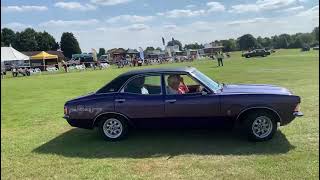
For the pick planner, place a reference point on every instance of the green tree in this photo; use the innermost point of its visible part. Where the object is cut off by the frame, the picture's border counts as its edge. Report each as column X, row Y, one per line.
column 7, row 36
column 229, row 45
column 159, row 49
column 315, row 32
column 175, row 42
column 101, row 52
column 247, row 42
column 27, row 40
column 46, row 41
column 283, row 41
column 69, row 44
column 56, row 46
column 150, row 48
column 296, row 41
column 193, row 46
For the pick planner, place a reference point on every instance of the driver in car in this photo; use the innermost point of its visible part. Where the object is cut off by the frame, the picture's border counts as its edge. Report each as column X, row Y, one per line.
column 176, row 85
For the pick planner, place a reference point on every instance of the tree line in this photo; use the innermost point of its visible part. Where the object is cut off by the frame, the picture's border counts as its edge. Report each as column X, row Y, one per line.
column 248, row 41
column 31, row 40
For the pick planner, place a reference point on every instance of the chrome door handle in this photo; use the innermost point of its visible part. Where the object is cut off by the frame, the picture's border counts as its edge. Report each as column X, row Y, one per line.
column 171, row 100
column 120, row 100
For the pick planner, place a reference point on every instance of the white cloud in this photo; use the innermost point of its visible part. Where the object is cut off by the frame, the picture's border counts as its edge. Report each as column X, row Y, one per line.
column 16, row 26
column 178, row 13
column 130, row 18
column 110, row 2
column 312, row 12
column 202, row 26
column 170, row 26
column 261, row 5
column 62, row 23
column 136, row 27
column 248, row 21
column 215, row 6
column 24, row 8
column 74, row 6
column 296, row 8
column 190, row 6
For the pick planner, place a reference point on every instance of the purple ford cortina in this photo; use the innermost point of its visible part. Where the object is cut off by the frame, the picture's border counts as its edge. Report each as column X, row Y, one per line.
column 181, row 97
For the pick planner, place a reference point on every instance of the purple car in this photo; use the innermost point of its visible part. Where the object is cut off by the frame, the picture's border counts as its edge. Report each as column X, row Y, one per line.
column 181, row 97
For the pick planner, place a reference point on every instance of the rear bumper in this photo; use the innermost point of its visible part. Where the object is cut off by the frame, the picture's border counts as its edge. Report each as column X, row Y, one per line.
column 297, row 114
column 80, row 123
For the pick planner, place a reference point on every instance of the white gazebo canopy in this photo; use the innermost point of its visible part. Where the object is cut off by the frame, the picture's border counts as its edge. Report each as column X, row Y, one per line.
column 10, row 54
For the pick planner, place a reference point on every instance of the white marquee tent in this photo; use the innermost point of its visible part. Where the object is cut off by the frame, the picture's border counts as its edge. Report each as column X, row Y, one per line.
column 12, row 56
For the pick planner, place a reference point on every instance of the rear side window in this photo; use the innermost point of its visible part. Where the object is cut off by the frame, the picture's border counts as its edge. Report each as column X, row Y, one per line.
column 114, row 85
column 146, row 84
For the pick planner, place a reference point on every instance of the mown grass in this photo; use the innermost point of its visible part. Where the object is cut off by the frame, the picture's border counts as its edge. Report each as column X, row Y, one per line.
column 36, row 143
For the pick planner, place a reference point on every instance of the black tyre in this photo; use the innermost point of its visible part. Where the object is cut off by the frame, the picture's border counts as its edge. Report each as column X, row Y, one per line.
column 247, row 56
column 113, row 128
column 260, row 126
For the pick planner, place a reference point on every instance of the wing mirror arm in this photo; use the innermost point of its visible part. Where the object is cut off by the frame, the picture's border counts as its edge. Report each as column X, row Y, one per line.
column 204, row 93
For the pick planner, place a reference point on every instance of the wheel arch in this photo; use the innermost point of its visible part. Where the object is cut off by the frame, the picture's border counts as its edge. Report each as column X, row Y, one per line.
column 99, row 117
column 243, row 113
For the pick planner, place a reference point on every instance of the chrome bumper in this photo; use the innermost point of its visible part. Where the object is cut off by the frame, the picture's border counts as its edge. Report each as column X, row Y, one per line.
column 298, row 114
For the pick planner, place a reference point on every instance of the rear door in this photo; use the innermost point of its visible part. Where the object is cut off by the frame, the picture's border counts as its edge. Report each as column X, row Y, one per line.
column 142, row 100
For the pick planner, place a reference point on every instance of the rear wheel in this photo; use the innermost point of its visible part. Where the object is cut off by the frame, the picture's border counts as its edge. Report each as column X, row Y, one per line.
column 113, row 128
column 260, row 126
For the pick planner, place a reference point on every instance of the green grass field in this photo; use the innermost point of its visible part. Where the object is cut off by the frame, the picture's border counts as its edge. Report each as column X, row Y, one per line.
column 37, row 143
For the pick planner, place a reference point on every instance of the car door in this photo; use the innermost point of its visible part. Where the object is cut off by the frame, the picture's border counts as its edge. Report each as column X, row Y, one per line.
column 192, row 109
column 142, row 100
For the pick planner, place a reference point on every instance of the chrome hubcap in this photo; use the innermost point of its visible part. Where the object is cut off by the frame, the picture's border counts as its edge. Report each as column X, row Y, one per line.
column 112, row 128
column 262, row 126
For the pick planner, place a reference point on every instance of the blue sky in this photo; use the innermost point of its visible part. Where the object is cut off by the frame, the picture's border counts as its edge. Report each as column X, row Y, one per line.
column 134, row 23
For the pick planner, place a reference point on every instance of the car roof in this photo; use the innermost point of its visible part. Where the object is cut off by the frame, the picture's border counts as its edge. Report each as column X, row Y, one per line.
column 159, row 70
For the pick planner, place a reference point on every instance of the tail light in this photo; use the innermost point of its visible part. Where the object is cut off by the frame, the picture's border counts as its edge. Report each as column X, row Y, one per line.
column 65, row 110
column 297, row 109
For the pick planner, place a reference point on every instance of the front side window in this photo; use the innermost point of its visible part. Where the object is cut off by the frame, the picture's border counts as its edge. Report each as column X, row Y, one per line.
column 144, row 85
column 182, row 84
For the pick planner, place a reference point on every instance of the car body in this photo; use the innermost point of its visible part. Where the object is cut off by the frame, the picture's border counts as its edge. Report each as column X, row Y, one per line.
column 256, row 52
column 207, row 103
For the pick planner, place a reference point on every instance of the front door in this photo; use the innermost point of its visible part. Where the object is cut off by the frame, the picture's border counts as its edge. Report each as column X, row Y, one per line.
column 193, row 107
column 142, row 100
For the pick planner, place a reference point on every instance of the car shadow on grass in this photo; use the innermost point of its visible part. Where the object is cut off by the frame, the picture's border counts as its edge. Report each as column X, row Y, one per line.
column 161, row 143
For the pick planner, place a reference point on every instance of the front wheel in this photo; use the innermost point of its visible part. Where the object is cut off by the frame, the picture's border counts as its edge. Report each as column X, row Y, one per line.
column 113, row 128
column 260, row 126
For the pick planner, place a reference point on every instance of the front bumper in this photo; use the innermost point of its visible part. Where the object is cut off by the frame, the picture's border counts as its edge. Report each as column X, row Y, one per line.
column 298, row 114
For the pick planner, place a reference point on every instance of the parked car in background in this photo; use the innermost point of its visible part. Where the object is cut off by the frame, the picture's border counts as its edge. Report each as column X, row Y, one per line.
column 181, row 97
column 256, row 52
column 316, row 48
column 305, row 48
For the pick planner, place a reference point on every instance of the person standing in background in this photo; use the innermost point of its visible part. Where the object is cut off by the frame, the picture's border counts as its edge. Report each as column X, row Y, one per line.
column 220, row 58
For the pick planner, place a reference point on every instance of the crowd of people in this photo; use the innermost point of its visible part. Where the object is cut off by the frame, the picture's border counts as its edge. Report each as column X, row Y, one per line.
column 120, row 62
